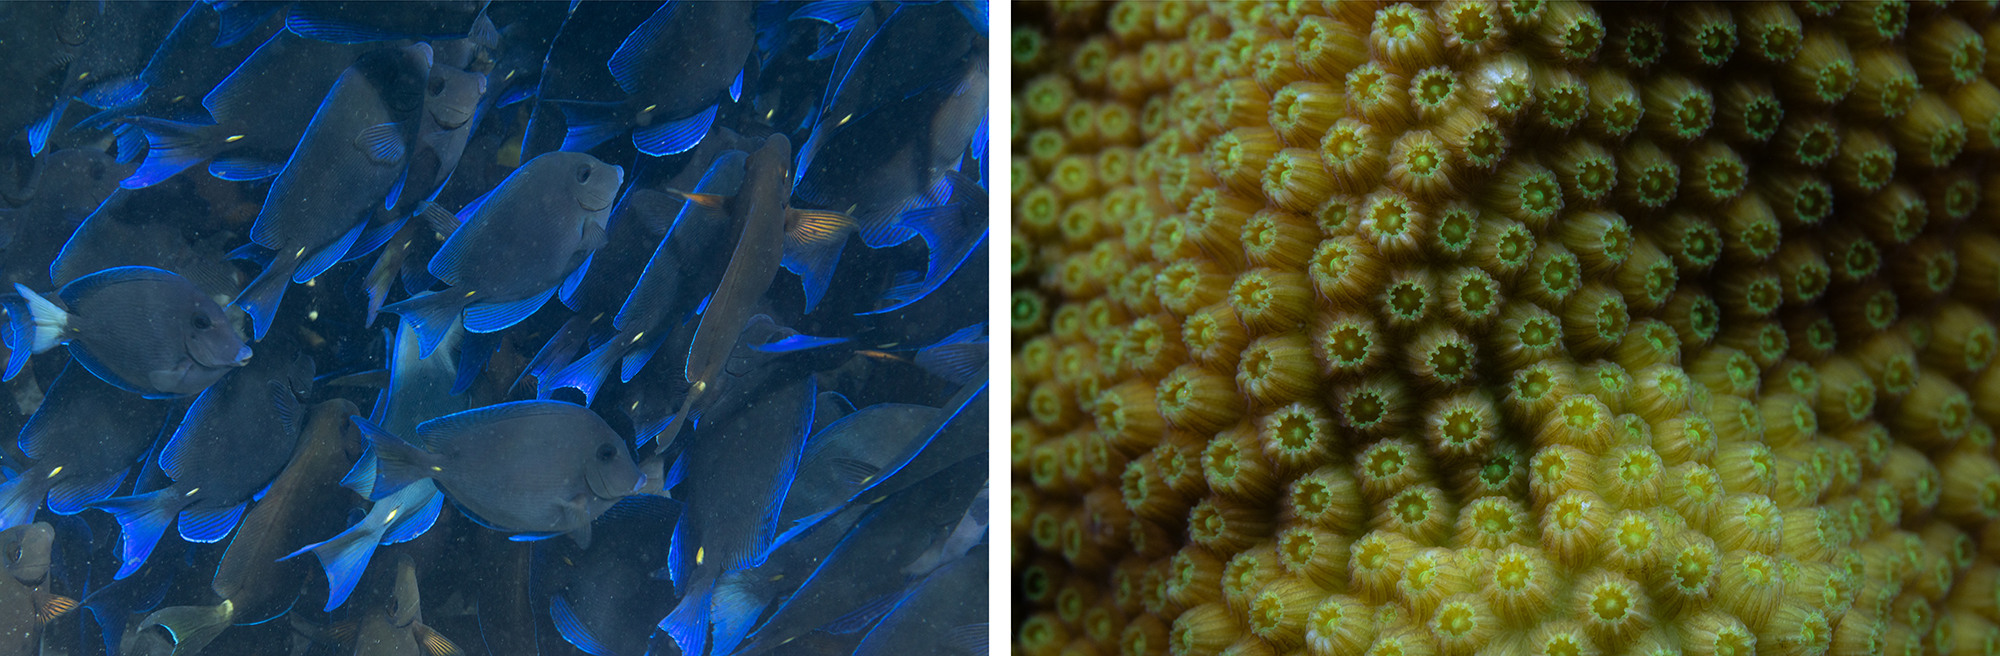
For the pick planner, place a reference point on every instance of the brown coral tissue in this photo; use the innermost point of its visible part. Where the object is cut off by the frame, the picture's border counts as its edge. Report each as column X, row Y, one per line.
column 1494, row 327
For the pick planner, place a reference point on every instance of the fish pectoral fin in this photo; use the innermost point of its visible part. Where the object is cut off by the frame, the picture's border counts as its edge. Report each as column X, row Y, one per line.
column 434, row 643
column 170, row 378
column 441, row 220
column 50, row 606
column 383, row 142
column 341, row 632
column 710, row 201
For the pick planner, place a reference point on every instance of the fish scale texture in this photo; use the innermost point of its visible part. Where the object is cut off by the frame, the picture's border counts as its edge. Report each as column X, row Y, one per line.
column 1489, row 328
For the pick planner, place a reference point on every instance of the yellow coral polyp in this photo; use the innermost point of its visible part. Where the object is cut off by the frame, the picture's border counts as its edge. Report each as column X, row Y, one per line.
column 1494, row 327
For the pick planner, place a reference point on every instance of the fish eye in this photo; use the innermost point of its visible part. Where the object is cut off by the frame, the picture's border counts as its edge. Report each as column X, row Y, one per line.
column 201, row 322
column 583, row 173
column 14, row 552
column 96, row 171
column 605, row 453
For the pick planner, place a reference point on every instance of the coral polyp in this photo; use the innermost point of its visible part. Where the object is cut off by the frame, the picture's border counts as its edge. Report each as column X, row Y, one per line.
column 1497, row 327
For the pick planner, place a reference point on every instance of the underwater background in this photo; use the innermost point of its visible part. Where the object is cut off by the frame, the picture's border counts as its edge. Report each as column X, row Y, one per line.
column 493, row 328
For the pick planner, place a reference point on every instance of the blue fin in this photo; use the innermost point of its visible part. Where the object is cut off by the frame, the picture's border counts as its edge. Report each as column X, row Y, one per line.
column 19, row 335
column 828, row 49
column 676, row 473
column 131, row 143
column 115, row 92
column 841, row 14
column 415, row 524
column 474, row 352
column 175, row 451
column 253, row 253
column 383, row 142
column 71, row 496
column 171, row 147
column 516, row 94
column 244, row 169
column 736, row 88
column 142, row 519
column 903, row 295
column 735, row 610
column 373, row 238
column 38, row 133
column 239, row 18
column 430, row 314
column 210, row 525
column 959, row 363
column 797, row 343
column 587, row 373
column 495, row 317
column 572, row 629
column 397, row 463
column 635, row 360
column 286, row 402
column 575, row 279
column 813, row 243
column 343, row 557
column 555, row 355
column 329, row 256
column 590, row 123
column 688, row 623
column 678, row 554
column 333, row 31
column 674, row 137
column 626, row 63
column 530, row 537
column 361, row 478
column 864, row 616
column 20, row 497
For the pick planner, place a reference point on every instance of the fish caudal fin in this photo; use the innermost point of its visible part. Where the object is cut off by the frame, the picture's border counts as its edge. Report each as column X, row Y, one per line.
column 674, row 137
column 572, row 629
column 142, row 519
column 171, row 147
column 813, row 242
column 688, row 623
column 344, row 557
column 261, row 297
column 591, row 123
column 21, row 497
column 734, row 610
column 34, row 325
column 193, row 627
column 431, row 315
column 397, row 464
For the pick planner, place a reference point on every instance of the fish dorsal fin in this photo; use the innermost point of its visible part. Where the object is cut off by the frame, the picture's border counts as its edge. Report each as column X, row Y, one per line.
column 572, row 628
column 415, row 524
column 209, row 525
column 329, row 256
column 495, row 317
column 49, row 606
column 231, row 98
column 93, row 283
column 383, row 142
column 435, row 433
column 817, row 228
column 70, row 496
column 627, row 64
column 434, row 644
column 864, row 616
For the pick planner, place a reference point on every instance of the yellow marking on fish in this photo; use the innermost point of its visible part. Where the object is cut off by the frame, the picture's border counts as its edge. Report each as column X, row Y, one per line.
column 84, row 75
column 232, row 138
column 700, row 385
column 178, row 99
column 769, row 114
column 392, row 514
column 640, row 336
column 635, row 405
column 191, row 492
column 510, row 75
column 650, row 108
column 843, row 120
column 312, row 315
column 699, row 552
column 312, row 281
column 53, row 472
column 436, row 468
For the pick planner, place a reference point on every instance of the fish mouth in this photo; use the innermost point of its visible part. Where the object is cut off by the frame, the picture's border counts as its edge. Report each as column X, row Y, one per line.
column 242, row 356
column 451, row 117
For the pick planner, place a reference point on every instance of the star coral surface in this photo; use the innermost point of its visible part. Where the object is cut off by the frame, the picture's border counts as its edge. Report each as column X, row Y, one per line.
column 1491, row 328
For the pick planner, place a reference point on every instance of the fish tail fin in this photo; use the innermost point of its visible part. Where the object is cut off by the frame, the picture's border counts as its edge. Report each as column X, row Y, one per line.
column 261, row 297
column 674, row 137
column 38, row 133
column 812, row 248
column 431, row 315
column 396, row 462
column 21, row 497
column 142, row 519
column 735, row 609
column 34, row 325
column 193, row 627
column 171, row 147
column 587, row 373
column 555, row 355
column 688, row 623
column 344, row 557
column 591, row 123
column 572, row 628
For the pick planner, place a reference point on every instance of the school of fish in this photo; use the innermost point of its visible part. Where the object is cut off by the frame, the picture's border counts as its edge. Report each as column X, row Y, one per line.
column 493, row 327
